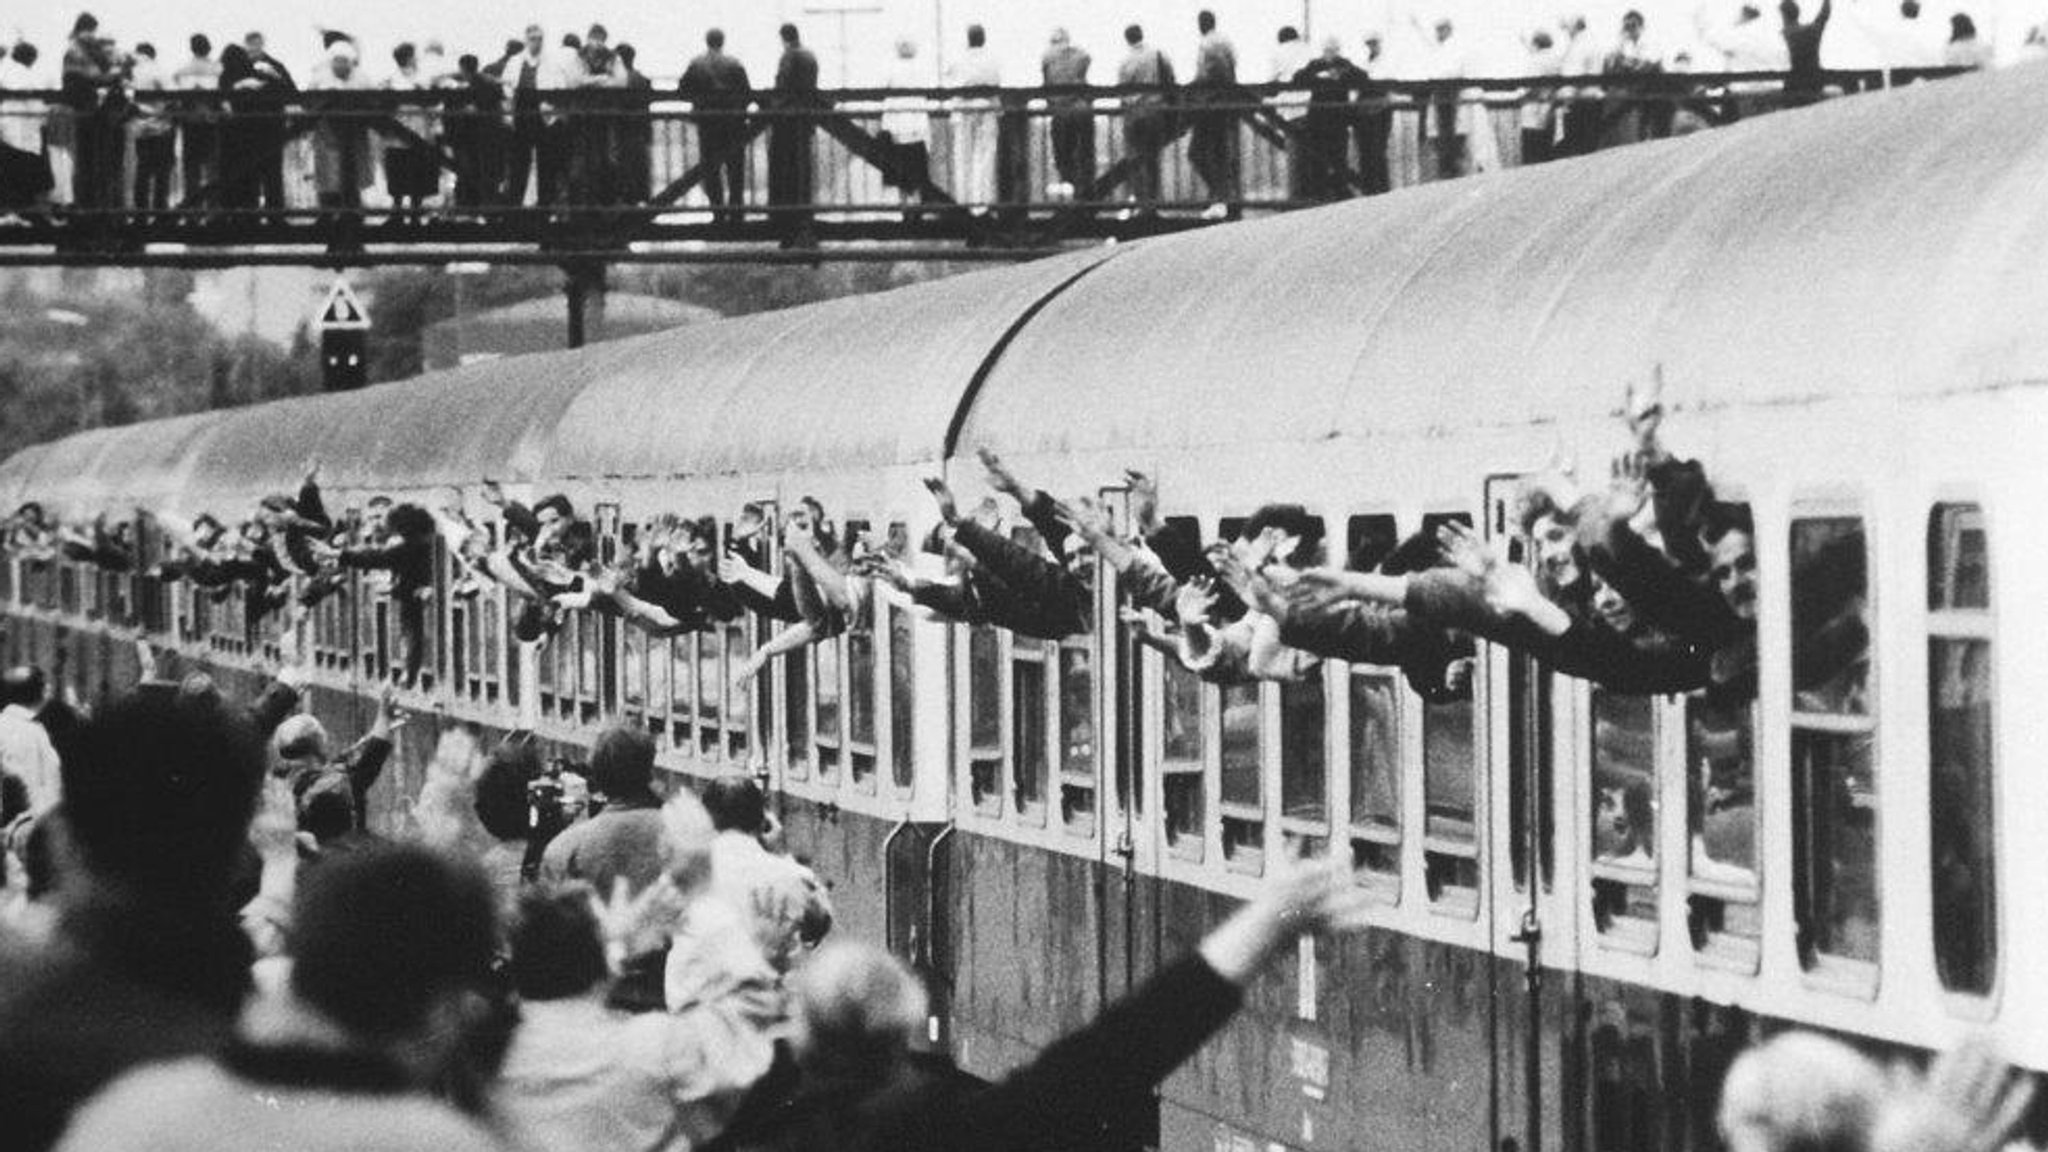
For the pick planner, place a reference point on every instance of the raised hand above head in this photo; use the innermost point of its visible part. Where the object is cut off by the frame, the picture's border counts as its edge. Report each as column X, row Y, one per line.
column 1144, row 501
column 492, row 493
column 1628, row 486
column 1195, row 600
column 1643, row 412
column 1000, row 477
column 1970, row 1100
column 949, row 507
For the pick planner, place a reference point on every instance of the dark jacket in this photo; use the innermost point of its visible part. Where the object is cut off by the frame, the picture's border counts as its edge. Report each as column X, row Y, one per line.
column 117, row 987
column 1063, row 1099
column 358, row 767
column 1031, row 594
column 409, row 559
column 716, row 82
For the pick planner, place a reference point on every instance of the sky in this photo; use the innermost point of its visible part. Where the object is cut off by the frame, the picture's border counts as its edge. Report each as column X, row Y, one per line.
column 667, row 32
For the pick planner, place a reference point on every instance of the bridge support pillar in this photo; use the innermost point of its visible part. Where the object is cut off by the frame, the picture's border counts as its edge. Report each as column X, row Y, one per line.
column 581, row 281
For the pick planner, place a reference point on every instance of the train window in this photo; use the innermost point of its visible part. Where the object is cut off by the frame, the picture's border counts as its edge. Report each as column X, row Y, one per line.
column 1368, row 540
column 984, row 718
column 1243, row 791
column 1030, row 753
column 633, row 670
column 1834, row 735
column 1721, row 819
column 682, row 690
column 795, row 671
column 1622, row 809
column 1375, row 747
column 1305, row 760
column 1181, row 759
column 1450, row 834
column 861, row 667
column 739, row 698
column 902, row 697
column 710, row 691
column 1962, row 812
column 860, row 691
column 1077, row 735
column 827, row 739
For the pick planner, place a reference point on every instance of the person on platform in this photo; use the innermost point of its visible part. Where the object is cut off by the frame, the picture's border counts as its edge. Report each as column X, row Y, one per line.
column 623, row 841
column 147, row 961
column 791, row 135
column 1802, row 49
column 198, row 123
column 26, row 751
column 388, row 997
column 856, row 1077
column 976, row 120
column 539, row 151
column 906, row 129
column 331, row 793
column 1213, row 138
column 788, row 905
column 1148, row 119
column 584, row 1074
column 718, row 90
column 1065, row 65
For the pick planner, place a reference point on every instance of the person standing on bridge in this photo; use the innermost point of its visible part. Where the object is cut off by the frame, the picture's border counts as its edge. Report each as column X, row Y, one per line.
column 976, row 120
column 790, row 138
column 907, row 128
column 1073, row 116
column 717, row 88
column 1148, row 120
column 536, row 127
column 1212, row 143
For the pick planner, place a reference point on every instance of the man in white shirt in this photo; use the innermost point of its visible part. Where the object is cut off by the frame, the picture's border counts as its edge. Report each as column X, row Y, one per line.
column 536, row 126
column 975, row 124
column 25, row 749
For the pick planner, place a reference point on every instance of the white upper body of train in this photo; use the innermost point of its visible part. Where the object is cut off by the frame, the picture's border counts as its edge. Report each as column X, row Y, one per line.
column 1846, row 304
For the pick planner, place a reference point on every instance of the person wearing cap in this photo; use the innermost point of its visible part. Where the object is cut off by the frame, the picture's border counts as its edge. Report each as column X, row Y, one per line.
column 26, row 753
column 331, row 793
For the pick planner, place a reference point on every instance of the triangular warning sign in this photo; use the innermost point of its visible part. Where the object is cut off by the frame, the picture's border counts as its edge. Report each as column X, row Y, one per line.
column 342, row 309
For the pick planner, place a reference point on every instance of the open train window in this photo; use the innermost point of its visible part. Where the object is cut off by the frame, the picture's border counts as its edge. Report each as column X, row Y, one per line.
column 1242, row 793
column 1375, row 766
column 1369, row 540
column 1450, row 787
column 1622, row 808
column 1305, row 761
column 1075, row 728
column 1962, row 814
column 827, row 737
column 984, row 719
column 1030, row 706
column 1834, row 744
column 902, row 698
column 861, row 671
column 1723, row 901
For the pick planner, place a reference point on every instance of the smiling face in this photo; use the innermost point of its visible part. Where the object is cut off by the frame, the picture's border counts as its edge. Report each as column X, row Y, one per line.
column 1734, row 572
column 1556, row 551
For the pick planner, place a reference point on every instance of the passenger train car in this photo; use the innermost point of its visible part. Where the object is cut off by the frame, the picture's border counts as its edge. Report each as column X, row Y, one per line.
column 1586, row 902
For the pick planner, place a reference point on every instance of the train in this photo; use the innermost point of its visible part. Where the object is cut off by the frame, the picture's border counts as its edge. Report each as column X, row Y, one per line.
column 1586, row 903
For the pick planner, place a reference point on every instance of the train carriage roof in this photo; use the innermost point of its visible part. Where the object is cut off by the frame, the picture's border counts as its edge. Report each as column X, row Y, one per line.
column 863, row 381
column 1887, row 245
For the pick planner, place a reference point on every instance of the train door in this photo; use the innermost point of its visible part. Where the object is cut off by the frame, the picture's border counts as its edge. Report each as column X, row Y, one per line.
column 1128, row 914
column 1533, row 919
column 1120, row 731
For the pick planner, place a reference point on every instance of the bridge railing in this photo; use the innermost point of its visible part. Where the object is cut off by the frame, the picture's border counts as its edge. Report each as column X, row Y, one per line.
column 214, row 167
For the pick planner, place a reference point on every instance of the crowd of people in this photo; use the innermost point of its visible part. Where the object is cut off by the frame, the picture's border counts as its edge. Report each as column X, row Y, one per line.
column 206, row 942
column 565, row 120
column 1644, row 584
